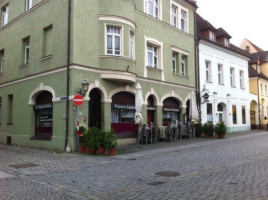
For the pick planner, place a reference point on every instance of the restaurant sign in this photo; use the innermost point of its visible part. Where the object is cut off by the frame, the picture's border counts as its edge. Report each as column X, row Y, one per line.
column 171, row 109
column 124, row 107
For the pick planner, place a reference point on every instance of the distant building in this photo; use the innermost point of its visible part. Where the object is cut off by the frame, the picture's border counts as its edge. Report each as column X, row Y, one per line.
column 223, row 70
column 249, row 46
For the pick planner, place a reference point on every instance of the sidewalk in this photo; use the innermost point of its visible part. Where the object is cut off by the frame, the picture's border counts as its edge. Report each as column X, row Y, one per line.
column 135, row 150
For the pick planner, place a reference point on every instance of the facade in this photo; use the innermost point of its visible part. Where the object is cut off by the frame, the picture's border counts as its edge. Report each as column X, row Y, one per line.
column 249, row 46
column 258, row 79
column 48, row 49
column 223, row 70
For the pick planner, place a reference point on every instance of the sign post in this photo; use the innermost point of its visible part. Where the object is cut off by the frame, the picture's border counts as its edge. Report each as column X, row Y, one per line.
column 78, row 101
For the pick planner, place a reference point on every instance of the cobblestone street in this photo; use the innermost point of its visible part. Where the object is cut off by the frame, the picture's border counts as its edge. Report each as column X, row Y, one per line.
column 233, row 168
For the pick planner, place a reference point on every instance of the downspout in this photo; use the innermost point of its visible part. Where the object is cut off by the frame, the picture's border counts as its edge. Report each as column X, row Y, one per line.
column 196, row 62
column 259, row 103
column 68, row 74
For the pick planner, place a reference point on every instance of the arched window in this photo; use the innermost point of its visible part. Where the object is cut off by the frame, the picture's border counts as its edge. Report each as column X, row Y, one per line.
column 171, row 110
column 43, row 114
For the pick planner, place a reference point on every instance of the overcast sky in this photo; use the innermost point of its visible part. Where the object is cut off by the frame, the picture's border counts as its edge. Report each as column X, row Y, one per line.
column 240, row 18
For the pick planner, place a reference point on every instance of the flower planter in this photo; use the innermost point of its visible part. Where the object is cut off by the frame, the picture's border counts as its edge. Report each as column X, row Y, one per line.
column 91, row 151
column 101, row 150
column 111, row 151
column 82, row 149
column 221, row 136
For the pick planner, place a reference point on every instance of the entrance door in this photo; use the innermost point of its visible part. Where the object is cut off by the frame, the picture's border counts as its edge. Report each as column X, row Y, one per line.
column 94, row 113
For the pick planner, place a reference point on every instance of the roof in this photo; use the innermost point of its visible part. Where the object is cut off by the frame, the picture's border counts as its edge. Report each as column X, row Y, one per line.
column 253, row 73
column 221, row 32
column 255, row 46
column 259, row 56
column 192, row 2
column 203, row 24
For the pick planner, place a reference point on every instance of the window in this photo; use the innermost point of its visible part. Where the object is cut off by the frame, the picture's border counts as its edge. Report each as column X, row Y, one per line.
column 241, row 74
column 261, row 89
column 29, row 4
column 2, row 61
column 211, row 36
column 183, row 65
column 0, row 111
column 226, row 42
column 234, row 114
column 183, row 20
column 113, row 40
column 131, row 45
column 258, row 68
column 232, row 77
column 152, row 8
column 4, row 15
column 220, row 74
column 26, row 43
column 152, row 56
column 244, row 115
column 208, row 71
column 174, row 16
column 174, row 62
column 10, row 109
column 265, row 88
column 209, row 113
column 47, row 41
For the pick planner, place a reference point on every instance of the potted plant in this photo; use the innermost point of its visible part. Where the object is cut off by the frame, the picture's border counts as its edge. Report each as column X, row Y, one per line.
column 205, row 130
column 220, row 129
column 110, row 142
column 90, row 140
column 100, row 142
column 80, row 132
column 210, row 129
column 198, row 129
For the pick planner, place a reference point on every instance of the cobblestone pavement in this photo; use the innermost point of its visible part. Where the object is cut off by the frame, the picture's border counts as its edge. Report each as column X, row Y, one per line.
column 233, row 168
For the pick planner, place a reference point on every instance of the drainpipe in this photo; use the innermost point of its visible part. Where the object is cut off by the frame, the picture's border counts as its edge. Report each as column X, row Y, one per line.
column 68, row 74
column 259, row 103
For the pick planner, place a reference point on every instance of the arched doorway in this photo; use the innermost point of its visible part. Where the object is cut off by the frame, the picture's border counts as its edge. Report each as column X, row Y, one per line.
column 151, row 110
column 221, row 112
column 254, row 115
column 171, row 110
column 123, row 112
column 43, row 115
column 94, row 113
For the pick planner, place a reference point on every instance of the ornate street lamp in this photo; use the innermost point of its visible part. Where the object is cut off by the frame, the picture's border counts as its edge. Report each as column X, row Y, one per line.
column 84, row 88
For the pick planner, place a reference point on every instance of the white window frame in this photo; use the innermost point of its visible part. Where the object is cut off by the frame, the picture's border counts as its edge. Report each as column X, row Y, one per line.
column 174, row 62
column 29, row 4
column 2, row 61
column 220, row 74
column 212, row 36
column 180, row 10
column 154, row 51
column 184, row 20
column 183, row 64
column 27, row 46
column 113, row 35
column 131, row 45
column 258, row 68
column 4, row 15
column 174, row 15
column 232, row 77
column 241, row 77
column 156, row 8
column 208, row 71
column 226, row 42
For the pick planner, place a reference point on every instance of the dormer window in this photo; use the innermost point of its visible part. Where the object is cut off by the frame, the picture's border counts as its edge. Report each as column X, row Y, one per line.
column 226, row 42
column 258, row 68
column 212, row 36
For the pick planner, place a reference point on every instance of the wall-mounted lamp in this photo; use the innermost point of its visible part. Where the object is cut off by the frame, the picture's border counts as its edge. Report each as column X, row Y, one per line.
column 84, row 88
column 262, row 101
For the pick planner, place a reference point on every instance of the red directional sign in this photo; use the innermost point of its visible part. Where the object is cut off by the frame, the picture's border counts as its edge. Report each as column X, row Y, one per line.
column 78, row 100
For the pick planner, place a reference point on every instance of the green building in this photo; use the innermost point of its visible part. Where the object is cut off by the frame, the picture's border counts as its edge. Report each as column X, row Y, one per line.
column 48, row 47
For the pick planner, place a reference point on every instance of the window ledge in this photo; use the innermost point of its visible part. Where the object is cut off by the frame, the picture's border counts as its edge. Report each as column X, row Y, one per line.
column 180, row 75
column 24, row 65
column 221, row 84
column 46, row 57
column 209, row 82
column 233, row 86
column 154, row 69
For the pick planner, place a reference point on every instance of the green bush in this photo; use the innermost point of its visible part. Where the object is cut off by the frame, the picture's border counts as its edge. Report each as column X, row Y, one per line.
column 110, row 140
column 220, row 128
column 90, row 137
column 198, row 129
column 208, row 129
column 100, row 138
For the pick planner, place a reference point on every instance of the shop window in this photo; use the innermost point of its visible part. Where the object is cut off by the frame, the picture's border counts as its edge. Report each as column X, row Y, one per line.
column 123, row 112
column 43, row 114
column 171, row 110
column 150, row 110
column 10, row 109
column 234, row 114
column 209, row 113
column 244, row 115
column 47, row 41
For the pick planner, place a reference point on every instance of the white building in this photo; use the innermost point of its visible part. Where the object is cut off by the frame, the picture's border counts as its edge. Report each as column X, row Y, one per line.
column 223, row 69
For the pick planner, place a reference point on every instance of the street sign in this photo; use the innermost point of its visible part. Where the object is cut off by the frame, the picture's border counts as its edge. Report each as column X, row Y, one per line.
column 78, row 100
column 206, row 96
